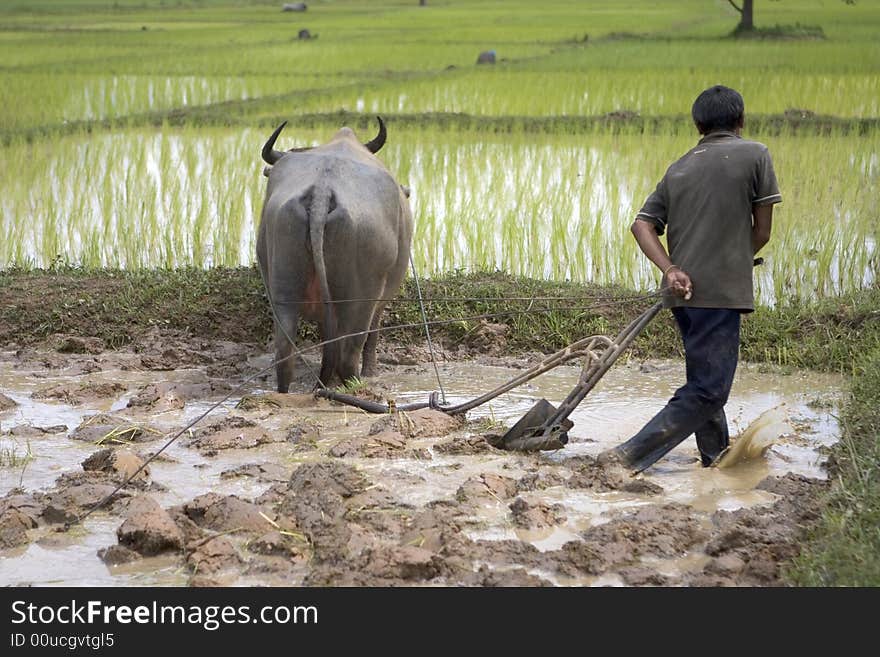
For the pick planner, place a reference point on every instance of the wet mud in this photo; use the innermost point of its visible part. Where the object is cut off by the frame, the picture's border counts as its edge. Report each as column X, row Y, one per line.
column 276, row 489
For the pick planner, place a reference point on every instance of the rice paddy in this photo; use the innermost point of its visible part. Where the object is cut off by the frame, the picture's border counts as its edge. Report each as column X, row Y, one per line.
column 130, row 132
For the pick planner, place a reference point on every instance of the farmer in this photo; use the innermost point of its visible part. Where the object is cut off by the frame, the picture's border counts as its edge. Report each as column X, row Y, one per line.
column 716, row 203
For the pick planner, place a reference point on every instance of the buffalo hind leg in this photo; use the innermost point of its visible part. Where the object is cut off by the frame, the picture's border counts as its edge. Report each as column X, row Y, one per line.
column 369, row 359
column 350, row 356
column 356, row 320
column 286, row 325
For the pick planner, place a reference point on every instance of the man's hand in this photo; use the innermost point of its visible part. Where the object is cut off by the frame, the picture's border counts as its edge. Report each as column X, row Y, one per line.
column 677, row 280
column 680, row 283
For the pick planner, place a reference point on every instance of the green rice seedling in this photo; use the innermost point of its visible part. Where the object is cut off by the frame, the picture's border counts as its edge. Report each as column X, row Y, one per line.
column 543, row 206
column 15, row 455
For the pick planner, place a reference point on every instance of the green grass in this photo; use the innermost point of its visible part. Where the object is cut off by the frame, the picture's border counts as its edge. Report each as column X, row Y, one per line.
column 84, row 61
column 15, row 455
column 844, row 547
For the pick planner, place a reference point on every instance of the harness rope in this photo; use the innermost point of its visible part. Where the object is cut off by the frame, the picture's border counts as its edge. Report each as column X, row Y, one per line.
column 427, row 330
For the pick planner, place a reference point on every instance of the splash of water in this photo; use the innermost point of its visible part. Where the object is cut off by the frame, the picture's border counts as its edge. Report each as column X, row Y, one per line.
column 758, row 437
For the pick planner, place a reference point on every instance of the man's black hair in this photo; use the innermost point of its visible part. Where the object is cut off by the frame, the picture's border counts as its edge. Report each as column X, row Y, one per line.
column 718, row 108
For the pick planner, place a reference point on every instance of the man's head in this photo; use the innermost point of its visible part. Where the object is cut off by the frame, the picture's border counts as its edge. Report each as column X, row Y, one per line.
column 718, row 108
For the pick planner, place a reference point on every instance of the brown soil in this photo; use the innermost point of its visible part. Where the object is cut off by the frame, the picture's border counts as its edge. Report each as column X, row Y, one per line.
column 325, row 517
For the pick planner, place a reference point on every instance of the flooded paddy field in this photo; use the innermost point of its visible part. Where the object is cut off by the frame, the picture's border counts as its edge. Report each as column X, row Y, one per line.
column 286, row 489
column 555, row 207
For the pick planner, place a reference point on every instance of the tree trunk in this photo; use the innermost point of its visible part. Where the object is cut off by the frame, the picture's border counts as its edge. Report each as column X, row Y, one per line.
column 746, row 21
column 746, row 17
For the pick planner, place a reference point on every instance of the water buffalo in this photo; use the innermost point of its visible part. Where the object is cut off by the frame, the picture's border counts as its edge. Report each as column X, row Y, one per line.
column 335, row 227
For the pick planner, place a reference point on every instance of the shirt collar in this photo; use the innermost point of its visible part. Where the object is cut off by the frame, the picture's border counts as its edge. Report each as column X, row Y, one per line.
column 718, row 134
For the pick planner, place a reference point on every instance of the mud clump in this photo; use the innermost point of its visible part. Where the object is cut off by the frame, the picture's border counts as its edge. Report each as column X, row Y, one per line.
column 536, row 516
column 30, row 431
column 509, row 553
column 15, row 522
column 797, row 494
column 76, row 493
column 653, row 531
column 212, row 556
column 339, row 479
column 354, row 532
column 660, row 531
column 148, row 529
column 76, row 394
column 165, row 396
column 272, row 402
column 169, row 349
column 467, row 445
column 316, row 500
column 423, row 423
column 116, row 555
column 386, row 444
column 751, row 545
column 477, row 490
column 406, row 562
column 6, row 403
column 22, row 503
column 268, row 472
column 227, row 513
column 588, row 473
column 643, row 576
column 112, row 429
column 540, row 479
column 102, row 478
column 728, row 565
column 230, row 433
column 302, row 434
column 288, row 545
column 120, row 462
column 488, row 338
column 486, row 577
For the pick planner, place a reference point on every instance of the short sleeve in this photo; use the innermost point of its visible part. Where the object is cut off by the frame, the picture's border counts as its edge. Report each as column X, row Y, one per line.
column 766, row 190
column 654, row 211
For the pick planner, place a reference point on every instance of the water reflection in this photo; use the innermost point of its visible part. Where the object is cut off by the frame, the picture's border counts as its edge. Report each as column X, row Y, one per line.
column 545, row 207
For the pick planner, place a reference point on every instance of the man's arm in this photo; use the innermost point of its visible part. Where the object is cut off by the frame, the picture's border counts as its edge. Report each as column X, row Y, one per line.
column 679, row 282
column 762, row 222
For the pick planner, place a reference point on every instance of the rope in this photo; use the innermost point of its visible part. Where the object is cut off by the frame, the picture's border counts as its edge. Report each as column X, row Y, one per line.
column 436, row 299
column 427, row 330
column 471, row 318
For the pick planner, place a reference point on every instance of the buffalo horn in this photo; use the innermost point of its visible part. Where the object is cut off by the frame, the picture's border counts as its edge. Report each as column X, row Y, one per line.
column 270, row 155
column 379, row 140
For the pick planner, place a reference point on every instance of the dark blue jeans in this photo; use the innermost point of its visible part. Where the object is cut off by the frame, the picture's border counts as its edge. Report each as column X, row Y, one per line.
column 711, row 346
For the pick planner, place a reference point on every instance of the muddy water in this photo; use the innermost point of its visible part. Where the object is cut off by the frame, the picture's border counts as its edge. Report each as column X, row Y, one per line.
column 627, row 397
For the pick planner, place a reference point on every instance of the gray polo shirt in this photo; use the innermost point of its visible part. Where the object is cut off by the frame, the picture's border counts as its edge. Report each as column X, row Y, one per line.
column 704, row 203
